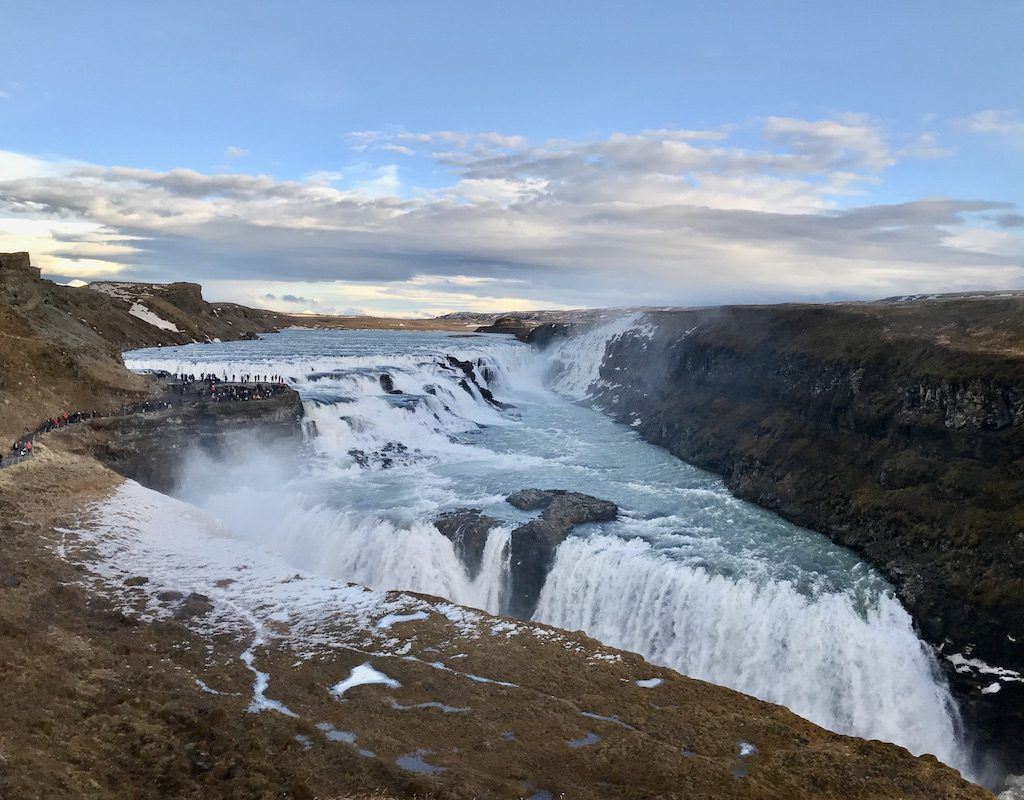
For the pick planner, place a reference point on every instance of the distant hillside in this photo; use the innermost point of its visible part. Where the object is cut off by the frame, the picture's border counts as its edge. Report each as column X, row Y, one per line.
column 176, row 313
column 60, row 347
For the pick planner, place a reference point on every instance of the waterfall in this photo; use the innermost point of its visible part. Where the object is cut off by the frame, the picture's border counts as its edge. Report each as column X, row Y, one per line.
column 862, row 674
column 575, row 363
column 366, row 548
column 386, row 464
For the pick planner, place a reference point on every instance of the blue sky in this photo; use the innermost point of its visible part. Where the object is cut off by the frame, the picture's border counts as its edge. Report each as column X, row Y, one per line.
column 414, row 157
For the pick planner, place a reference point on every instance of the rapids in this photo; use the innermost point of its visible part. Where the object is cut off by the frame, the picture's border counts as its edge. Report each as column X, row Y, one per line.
column 689, row 576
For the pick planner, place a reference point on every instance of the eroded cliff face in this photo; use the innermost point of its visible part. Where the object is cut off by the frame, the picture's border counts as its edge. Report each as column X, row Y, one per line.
column 897, row 430
column 153, row 448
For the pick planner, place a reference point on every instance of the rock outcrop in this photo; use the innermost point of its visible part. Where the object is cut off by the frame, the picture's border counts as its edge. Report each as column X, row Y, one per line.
column 60, row 347
column 895, row 429
column 470, row 382
column 514, row 326
column 152, row 448
column 468, row 529
column 532, row 545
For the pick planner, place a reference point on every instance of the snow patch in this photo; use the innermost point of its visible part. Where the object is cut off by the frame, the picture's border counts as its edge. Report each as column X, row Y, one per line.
column 391, row 619
column 141, row 312
column 363, row 675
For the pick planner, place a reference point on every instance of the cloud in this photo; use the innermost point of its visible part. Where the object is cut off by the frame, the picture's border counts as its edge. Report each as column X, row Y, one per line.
column 659, row 216
column 849, row 141
column 1000, row 121
column 924, row 146
column 232, row 152
column 390, row 147
column 288, row 298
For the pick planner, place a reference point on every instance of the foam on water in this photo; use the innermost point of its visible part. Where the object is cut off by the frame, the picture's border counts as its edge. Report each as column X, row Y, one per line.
column 689, row 576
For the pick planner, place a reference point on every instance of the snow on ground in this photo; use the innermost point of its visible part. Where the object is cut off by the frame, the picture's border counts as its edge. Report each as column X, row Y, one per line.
column 119, row 289
column 362, row 675
column 140, row 311
column 392, row 619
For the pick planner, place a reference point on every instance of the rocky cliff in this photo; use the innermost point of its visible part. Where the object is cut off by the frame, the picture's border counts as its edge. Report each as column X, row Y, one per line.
column 153, row 447
column 895, row 428
column 60, row 347
column 176, row 313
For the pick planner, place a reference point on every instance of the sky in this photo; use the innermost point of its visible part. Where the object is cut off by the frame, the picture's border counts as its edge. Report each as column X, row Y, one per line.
column 418, row 158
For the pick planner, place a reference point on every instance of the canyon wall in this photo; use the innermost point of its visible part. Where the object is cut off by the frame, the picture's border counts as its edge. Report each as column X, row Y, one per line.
column 897, row 429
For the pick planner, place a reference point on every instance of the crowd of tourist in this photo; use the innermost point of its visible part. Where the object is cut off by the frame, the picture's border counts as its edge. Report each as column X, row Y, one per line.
column 220, row 388
column 208, row 377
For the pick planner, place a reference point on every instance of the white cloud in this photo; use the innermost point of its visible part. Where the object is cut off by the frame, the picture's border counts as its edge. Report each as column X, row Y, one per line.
column 849, row 139
column 390, row 147
column 1001, row 121
column 232, row 152
column 660, row 216
column 924, row 146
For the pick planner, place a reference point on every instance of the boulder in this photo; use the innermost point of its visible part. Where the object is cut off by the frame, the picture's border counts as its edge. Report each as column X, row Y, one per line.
column 387, row 383
column 468, row 530
column 563, row 508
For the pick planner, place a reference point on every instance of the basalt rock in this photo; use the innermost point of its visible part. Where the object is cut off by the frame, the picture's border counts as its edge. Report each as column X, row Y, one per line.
column 468, row 530
column 514, row 326
column 469, row 383
column 533, row 544
column 387, row 383
column 151, row 448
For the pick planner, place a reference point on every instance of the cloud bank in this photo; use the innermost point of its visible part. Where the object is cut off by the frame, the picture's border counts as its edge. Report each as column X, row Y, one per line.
column 662, row 216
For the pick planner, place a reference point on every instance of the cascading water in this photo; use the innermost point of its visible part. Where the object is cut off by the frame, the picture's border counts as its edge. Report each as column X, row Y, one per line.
column 819, row 656
column 689, row 576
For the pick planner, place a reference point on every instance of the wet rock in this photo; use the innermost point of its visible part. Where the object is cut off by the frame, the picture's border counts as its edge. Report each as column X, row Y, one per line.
column 470, row 382
column 169, row 596
column 562, row 509
column 533, row 545
column 11, row 582
column 468, row 530
column 138, row 580
column 465, row 366
column 387, row 383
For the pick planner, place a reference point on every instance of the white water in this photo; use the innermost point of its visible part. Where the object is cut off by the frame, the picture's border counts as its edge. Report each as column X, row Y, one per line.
column 689, row 576
column 819, row 657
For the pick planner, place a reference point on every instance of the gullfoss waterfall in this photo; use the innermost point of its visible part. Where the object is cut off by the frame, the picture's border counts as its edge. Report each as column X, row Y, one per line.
column 402, row 427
